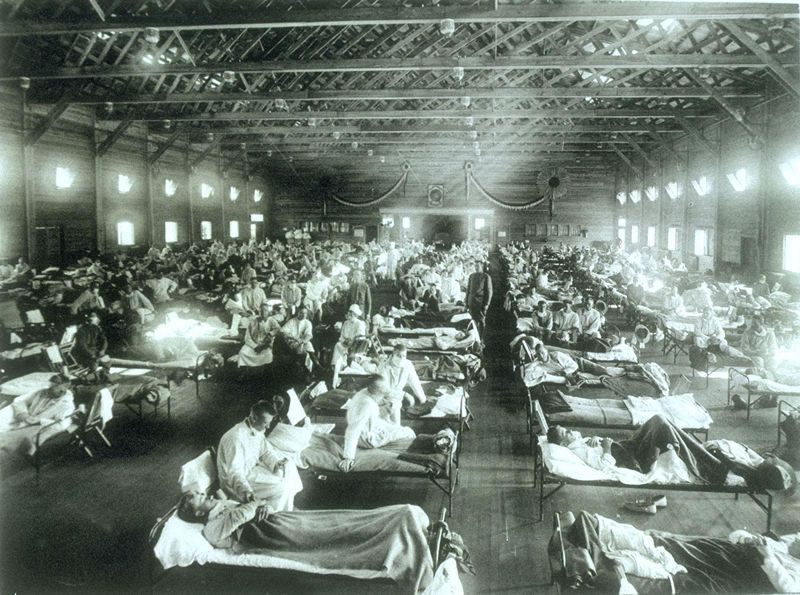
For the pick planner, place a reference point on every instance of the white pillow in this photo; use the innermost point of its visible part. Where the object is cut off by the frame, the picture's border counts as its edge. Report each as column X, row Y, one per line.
column 198, row 474
column 181, row 544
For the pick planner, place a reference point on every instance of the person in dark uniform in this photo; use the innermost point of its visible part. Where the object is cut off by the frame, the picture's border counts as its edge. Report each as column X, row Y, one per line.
column 479, row 296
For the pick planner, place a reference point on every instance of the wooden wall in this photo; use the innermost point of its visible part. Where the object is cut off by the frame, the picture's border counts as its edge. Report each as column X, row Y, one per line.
column 87, row 213
column 761, row 214
column 588, row 203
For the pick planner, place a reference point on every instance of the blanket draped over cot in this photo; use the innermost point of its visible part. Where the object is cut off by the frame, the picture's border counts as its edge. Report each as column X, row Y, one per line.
column 403, row 456
column 711, row 564
column 388, row 542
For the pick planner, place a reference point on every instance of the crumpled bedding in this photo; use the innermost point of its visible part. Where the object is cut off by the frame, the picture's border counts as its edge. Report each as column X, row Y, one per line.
column 758, row 383
column 681, row 410
column 326, row 451
column 444, row 399
column 437, row 331
column 668, row 469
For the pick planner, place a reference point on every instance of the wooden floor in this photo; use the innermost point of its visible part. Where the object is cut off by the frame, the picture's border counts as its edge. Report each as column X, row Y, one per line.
column 85, row 527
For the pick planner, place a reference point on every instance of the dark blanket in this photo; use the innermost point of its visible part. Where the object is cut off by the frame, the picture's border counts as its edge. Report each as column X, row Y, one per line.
column 385, row 542
column 638, row 451
column 326, row 450
column 715, row 564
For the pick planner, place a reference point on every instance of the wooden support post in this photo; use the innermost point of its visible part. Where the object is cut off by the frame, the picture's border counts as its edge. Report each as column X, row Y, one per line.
column 99, row 205
column 151, row 232
column 114, row 136
column 164, row 146
column 189, row 171
column 27, row 185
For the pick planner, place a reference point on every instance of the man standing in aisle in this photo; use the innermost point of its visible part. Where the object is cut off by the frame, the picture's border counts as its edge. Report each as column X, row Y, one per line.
column 479, row 296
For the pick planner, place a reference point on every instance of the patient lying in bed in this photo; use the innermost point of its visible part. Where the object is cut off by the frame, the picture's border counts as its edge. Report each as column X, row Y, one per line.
column 612, row 556
column 710, row 462
column 389, row 542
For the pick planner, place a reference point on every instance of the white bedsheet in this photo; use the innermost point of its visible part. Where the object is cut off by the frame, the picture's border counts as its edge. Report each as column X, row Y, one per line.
column 669, row 469
column 758, row 383
column 681, row 410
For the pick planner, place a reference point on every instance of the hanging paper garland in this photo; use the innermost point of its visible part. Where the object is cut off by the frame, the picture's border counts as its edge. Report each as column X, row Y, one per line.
column 374, row 201
column 470, row 179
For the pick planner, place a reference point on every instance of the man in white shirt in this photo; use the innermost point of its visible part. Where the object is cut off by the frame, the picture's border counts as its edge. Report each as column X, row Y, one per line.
column 316, row 293
column 590, row 319
column 400, row 373
column 565, row 322
column 253, row 297
column 249, row 467
column 368, row 425
column 162, row 287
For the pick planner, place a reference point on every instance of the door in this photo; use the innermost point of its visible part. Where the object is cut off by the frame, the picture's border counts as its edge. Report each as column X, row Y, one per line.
column 49, row 247
column 371, row 233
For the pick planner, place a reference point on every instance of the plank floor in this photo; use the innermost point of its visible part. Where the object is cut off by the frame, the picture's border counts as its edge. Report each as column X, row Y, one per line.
column 85, row 526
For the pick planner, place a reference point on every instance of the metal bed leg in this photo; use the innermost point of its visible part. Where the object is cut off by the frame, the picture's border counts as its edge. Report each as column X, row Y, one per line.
column 780, row 418
column 769, row 511
column 541, row 494
column 749, row 397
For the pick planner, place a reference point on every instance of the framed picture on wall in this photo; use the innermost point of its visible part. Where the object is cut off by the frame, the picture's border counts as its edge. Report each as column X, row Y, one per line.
column 530, row 229
column 554, row 229
column 359, row 232
column 344, row 227
column 334, row 226
column 563, row 230
column 312, row 226
column 576, row 230
column 541, row 229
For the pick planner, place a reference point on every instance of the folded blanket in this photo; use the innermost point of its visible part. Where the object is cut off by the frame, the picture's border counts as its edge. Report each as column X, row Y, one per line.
column 681, row 410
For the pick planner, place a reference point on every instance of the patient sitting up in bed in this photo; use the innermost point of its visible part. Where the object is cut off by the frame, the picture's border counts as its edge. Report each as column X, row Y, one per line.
column 369, row 421
column 400, row 374
column 710, row 461
column 249, row 467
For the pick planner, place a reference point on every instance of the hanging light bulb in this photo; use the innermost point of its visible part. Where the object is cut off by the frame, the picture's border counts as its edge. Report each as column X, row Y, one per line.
column 312, row 122
column 383, row 159
column 24, row 83
column 478, row 151
column 473, row 134
column 466, row 100
column 447, row 27
column 354, row 145
column 209, row 137
column 469, row 121
column 108, row 106
column 476, row 145
column 151, row 35
column 337, row 135
column 458, row 72
column 269, row 152
column 167, row 124
column 280, row 103
column 229, row 76
column 370, row 152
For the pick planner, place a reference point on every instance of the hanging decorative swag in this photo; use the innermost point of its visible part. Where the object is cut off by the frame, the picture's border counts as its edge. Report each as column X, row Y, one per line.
column 470, row 180
column 374, row 201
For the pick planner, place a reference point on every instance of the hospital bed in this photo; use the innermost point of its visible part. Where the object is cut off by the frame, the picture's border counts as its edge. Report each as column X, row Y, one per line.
column 756, row 386
column 551, row 470
column 180, row 550
column 709, row 564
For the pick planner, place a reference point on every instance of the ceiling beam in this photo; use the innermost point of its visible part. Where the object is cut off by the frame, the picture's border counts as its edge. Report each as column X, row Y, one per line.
column 697, row 135
column 628, row 162
column 162, row 148
column 784, row 76
column 98, row 9
column 633, row 61
column 42, row 127
column 176, row 116
column 486, row 141
column 359, row 17
column 403, row 94
column 113, row 136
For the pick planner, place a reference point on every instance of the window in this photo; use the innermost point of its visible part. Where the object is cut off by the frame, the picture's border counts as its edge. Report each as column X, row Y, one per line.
column 170, row 232
column 635, row 196
column 64, row 178
column 233, row 229
column 234, row 193
column 257, row 195
column 621, row 222
column 701, row 242
column 206, row 190
column 701, row 186
column 738, row 179
column 257, row 217
column 791, row 253
column 621, row 232
column 651, row 236
column 480, row 223
column 634, row 234
column 125, row 235
column 791, row 171
column 652, row 193
column 388, row 221
column 406, row 222
column 621, row 197
column 205, row 230
column 672, row 238
column 673, row 190
column 170, row 187
column 124, row 184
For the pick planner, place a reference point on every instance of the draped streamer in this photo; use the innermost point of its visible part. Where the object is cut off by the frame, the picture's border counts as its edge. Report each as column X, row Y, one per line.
column 500, row 203
column 374, row 201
